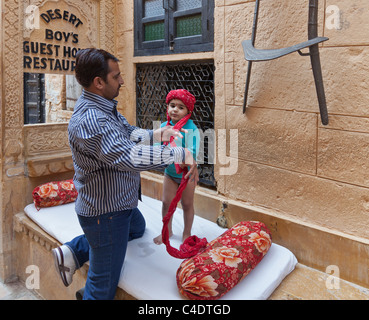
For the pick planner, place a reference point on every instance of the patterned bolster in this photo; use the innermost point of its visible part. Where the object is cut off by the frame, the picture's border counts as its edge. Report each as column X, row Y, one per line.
column 224, row 262
column 54, row 193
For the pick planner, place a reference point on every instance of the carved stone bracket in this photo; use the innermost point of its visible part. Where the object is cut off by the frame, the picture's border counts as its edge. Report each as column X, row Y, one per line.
column 37, row 167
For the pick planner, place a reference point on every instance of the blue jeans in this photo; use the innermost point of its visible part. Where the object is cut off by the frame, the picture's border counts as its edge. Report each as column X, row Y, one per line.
column 104, row 244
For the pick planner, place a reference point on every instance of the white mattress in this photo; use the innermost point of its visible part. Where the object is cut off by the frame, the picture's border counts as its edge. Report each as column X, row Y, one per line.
column 149, row 272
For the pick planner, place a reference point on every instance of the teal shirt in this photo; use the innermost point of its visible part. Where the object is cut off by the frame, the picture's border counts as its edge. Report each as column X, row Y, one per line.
column 190, row 140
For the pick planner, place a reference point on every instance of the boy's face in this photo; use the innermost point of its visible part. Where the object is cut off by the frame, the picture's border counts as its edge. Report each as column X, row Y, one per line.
column 177, row 110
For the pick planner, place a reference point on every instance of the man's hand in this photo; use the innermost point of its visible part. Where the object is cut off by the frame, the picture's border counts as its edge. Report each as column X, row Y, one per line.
column 192, row 173
column 164, row 134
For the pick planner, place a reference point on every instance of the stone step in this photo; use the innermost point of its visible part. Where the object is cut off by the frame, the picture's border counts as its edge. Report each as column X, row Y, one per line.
column 306, row 283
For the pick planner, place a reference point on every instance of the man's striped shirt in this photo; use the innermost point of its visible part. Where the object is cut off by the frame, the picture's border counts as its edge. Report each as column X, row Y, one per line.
column 108, row 154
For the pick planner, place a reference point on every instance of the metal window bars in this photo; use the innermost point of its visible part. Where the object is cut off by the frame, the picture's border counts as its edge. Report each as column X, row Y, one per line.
column 155, row 80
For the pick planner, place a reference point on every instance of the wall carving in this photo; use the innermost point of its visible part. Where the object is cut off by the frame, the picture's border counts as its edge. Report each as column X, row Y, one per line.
column 46, row 139
column 13, row 144
column 12, row 72
column 47, row 149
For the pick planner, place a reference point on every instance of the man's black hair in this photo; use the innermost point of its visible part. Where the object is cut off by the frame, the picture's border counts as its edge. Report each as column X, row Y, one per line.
column 91, row 63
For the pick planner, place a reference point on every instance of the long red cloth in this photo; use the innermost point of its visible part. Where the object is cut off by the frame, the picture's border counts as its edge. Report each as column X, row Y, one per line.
column 192, row 245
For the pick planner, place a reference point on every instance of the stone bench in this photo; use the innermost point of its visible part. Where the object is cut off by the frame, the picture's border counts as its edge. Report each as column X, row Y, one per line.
column 149, row 272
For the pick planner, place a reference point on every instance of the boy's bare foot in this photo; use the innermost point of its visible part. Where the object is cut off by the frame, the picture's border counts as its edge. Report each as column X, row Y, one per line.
column 185, row 236
column 159, row 240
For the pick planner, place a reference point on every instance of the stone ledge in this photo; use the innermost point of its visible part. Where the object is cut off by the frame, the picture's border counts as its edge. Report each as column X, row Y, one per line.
column 23, row 224
column 305, row 283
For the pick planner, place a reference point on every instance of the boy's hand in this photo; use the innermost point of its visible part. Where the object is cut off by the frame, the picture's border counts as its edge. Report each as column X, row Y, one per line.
column 192, row 173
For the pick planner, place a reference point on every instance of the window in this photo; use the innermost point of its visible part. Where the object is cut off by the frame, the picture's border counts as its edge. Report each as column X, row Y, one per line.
column 154, row 81
column 34, row 98
column 173, row 26
column 49, row 98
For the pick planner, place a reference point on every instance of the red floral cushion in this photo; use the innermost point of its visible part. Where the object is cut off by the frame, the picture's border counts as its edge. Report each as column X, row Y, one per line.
column 224, row 262
column 54, row 193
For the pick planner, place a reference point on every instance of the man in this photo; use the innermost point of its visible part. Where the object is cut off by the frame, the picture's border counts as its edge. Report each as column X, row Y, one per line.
column 108, row 154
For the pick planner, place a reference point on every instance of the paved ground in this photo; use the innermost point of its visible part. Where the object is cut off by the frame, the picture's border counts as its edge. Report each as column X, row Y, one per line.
column 17, row 291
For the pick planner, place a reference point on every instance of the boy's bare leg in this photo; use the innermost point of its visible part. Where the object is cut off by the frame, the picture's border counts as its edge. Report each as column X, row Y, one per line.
column 188, row 208
column 169, row 192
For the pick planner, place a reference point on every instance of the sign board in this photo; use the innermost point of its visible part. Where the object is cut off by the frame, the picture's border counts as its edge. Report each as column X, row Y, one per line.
column 60, row 30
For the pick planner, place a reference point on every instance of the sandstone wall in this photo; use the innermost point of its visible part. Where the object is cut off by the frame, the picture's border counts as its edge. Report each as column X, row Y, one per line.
column 288, row 161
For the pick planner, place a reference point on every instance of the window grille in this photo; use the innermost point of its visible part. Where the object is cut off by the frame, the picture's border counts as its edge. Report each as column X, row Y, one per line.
column 154, row 81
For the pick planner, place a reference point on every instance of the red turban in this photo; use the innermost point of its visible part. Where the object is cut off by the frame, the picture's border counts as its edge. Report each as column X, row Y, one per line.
column 187, row 98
